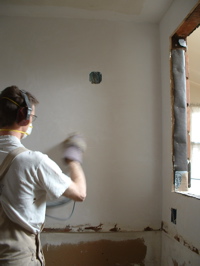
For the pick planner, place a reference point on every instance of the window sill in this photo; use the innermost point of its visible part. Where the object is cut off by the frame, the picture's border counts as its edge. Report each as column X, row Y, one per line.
column 189, row 194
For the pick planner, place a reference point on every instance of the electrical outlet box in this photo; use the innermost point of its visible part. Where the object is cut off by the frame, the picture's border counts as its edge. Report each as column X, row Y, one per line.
column 173, row 215
column 95, row 77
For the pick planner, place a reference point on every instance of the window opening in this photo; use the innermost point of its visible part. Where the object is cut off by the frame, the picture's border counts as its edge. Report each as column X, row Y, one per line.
column 193, row 43
column 186, row 149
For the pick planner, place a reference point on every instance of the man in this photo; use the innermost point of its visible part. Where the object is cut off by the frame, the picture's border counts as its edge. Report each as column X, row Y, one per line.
column 27, row 181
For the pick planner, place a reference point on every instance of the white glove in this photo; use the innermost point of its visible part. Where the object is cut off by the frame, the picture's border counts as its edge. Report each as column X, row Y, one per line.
column 74, row 147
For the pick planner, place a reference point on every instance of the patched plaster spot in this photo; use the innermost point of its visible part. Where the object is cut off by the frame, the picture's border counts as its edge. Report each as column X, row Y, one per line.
column 98, row 253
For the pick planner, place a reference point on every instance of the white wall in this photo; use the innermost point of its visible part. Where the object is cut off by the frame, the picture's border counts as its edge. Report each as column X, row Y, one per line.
column 120, row 118
column 194, row 70
column 188, row 217
column 194, row 93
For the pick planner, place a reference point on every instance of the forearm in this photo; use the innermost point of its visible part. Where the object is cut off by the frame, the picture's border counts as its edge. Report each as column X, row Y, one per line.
column 77, row 189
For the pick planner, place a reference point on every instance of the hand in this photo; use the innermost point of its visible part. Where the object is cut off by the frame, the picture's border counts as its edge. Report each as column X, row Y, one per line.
column 74, row 147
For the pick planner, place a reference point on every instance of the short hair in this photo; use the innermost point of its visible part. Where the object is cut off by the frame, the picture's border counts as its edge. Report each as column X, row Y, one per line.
column 11, row 99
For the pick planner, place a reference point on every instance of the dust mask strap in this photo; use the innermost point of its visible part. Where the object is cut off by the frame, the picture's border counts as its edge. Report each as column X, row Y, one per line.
column 27, row 133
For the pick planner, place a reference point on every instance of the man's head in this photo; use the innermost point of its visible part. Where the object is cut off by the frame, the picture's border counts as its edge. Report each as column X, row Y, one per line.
column 16, row 106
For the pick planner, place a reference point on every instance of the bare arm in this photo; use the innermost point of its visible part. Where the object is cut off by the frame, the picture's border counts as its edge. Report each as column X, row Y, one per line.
column 77, row 189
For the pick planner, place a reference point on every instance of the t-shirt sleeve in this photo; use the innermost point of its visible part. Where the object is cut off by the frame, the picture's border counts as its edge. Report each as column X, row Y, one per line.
column 51, row 177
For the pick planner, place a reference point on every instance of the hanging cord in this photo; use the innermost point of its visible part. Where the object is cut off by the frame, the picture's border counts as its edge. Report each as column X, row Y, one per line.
column 58, row 202
column 53, row 205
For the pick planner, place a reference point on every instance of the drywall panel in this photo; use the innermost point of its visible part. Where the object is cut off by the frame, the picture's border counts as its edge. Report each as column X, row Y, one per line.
column 120, row 117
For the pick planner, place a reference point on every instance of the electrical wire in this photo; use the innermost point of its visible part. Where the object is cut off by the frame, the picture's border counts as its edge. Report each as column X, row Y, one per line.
column 57, row 203
column 53, row 205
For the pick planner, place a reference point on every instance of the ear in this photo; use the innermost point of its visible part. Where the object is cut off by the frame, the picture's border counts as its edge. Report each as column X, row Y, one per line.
column 21, row 117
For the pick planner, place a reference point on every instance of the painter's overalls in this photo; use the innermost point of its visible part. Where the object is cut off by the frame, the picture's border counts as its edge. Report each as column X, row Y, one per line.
column 18, row 247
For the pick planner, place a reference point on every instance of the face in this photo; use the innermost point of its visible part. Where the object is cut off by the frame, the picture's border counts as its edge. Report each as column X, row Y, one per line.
column 28, row 126
column 32, row 114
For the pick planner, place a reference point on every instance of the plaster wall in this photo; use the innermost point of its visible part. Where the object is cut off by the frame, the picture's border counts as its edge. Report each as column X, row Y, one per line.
column 120, row 117
column 185, row 230
column 174, row 253
column 194, row 55
column 194, row 93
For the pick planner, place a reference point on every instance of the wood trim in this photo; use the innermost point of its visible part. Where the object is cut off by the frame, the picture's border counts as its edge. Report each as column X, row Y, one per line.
column 191, row 22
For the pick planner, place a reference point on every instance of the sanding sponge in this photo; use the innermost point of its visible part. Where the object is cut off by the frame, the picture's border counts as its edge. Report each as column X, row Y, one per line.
column 74, row 147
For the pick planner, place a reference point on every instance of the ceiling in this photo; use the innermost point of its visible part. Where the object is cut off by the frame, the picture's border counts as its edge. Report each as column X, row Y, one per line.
column 125, row 10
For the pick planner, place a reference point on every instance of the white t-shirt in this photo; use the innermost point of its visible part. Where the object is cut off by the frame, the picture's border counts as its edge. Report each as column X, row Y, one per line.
column 31, row 177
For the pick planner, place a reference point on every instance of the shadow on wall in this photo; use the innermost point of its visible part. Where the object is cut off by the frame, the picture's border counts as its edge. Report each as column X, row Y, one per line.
column 98, row 253
column 56, row 154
